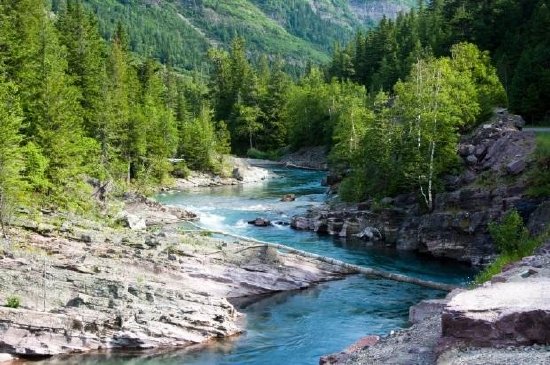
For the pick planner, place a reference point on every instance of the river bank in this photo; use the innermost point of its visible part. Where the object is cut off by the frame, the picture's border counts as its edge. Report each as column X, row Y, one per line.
column 504, row 321
column 82, row 285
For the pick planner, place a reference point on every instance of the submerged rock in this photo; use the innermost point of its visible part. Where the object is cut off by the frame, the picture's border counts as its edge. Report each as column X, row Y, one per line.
column 260, row 222
column 288, row 198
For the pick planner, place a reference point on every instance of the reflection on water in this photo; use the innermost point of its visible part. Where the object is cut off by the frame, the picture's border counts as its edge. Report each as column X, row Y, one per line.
column 296, row 327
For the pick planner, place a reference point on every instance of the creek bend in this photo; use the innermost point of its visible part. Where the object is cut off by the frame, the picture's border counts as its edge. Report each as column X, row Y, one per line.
column 297, row 327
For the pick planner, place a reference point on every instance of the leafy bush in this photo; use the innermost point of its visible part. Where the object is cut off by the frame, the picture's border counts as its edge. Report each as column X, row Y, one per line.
column 13, row 302
column 181, row 170
column 513, row 241
column 353, row 188
column 510, row 235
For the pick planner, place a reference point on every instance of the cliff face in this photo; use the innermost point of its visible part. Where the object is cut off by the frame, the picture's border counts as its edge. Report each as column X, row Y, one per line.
column 496, row 157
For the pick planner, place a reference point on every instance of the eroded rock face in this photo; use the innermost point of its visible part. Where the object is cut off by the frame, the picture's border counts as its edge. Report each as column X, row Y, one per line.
column 132, row 289
column 510, row 313
column 496, row 157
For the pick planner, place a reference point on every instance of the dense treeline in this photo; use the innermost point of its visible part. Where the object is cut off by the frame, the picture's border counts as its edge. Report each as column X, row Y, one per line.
column 391, row 105
column 515, row 32
column 73, row 106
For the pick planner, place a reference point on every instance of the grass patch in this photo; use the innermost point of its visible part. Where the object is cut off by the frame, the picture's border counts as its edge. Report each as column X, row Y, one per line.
column 513, row 242
column 539, row 179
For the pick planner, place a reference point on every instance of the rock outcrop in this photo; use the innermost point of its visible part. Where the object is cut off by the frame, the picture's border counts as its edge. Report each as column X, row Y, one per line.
column 494, row 180
column 314, row 158
column 85, row 286
column 505, row 321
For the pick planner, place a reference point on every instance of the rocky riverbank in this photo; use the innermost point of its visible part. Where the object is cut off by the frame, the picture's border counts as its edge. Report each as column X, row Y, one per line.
column 505, row 321
column 497, row 157
column 75, row 284
column 242, row 171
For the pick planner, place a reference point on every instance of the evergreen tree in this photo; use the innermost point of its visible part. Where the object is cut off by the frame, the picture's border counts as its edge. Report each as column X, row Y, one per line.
column 11, row 163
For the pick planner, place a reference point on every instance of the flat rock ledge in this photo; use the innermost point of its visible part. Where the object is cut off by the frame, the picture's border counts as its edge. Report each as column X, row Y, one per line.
column 510, row 314
column 85, row 286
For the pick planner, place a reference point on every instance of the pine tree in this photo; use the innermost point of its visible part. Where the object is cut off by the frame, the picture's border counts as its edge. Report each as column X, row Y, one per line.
column 11, row 163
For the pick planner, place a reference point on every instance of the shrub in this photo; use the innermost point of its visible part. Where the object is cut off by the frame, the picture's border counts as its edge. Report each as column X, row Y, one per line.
column 510, row 235
column 13, row 302
column 181, row 170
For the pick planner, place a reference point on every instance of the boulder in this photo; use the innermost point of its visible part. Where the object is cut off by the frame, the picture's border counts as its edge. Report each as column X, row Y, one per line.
column 370, row 234
column 502, row 314
column 133, row 221
column 516, row 167
column 260, row 222
column 300, row 223
column 244, row 172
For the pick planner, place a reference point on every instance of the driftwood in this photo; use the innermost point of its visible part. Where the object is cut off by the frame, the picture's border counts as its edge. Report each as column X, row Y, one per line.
column 352, row 268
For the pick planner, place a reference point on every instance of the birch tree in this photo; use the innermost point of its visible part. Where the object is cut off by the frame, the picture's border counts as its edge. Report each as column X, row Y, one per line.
column 433, row 103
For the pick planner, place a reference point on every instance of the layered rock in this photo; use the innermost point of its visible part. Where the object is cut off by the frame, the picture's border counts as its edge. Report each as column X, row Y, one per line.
column 84, row 286
column 496, row 158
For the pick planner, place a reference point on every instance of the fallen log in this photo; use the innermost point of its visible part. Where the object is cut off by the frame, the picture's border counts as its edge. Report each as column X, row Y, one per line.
column 351, row 267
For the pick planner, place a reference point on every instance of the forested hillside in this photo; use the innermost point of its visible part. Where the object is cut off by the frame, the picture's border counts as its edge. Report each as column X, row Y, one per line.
column 76, row 106
column 180, row 31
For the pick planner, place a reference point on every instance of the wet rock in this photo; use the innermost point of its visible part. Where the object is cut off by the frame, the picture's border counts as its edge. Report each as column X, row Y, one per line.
column 370, row 234
column 466, row 149
column 288, row 198
column 350, row 228
column 300, row 223
column 260, row 222
column 334, row 226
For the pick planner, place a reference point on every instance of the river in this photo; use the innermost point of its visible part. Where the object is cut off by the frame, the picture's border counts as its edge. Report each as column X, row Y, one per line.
column 296, row 328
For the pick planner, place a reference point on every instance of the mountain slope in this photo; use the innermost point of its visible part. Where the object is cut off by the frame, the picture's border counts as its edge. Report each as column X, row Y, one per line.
column 180, row 31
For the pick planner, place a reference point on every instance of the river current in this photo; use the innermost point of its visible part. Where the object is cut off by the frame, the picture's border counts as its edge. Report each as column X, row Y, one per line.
column 296, row 328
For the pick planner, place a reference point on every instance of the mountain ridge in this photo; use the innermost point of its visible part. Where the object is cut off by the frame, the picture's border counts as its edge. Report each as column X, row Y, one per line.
column 179, row 32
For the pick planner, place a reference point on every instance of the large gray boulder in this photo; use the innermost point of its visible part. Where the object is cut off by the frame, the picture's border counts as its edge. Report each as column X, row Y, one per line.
column 511, row 313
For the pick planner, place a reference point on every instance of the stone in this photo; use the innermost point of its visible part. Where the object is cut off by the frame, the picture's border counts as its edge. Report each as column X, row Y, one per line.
column 288, row 198
column 370, row 234
column 516, row 167
column 133, row 222
column 300, row 223
column 471, row 160
column 334, row 226
column 466, row 149
column 244, row 172
column 506, row 314
column 350, row 228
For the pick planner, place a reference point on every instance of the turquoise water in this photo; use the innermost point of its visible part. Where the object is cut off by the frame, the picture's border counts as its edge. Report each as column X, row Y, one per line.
column 298, row 327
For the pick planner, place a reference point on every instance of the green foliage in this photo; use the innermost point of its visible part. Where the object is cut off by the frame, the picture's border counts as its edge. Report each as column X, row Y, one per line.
column 514, row 32
column 13, row 302
column 12, row 186
column 510, row 235
column 539, row 179
column 514, row 243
